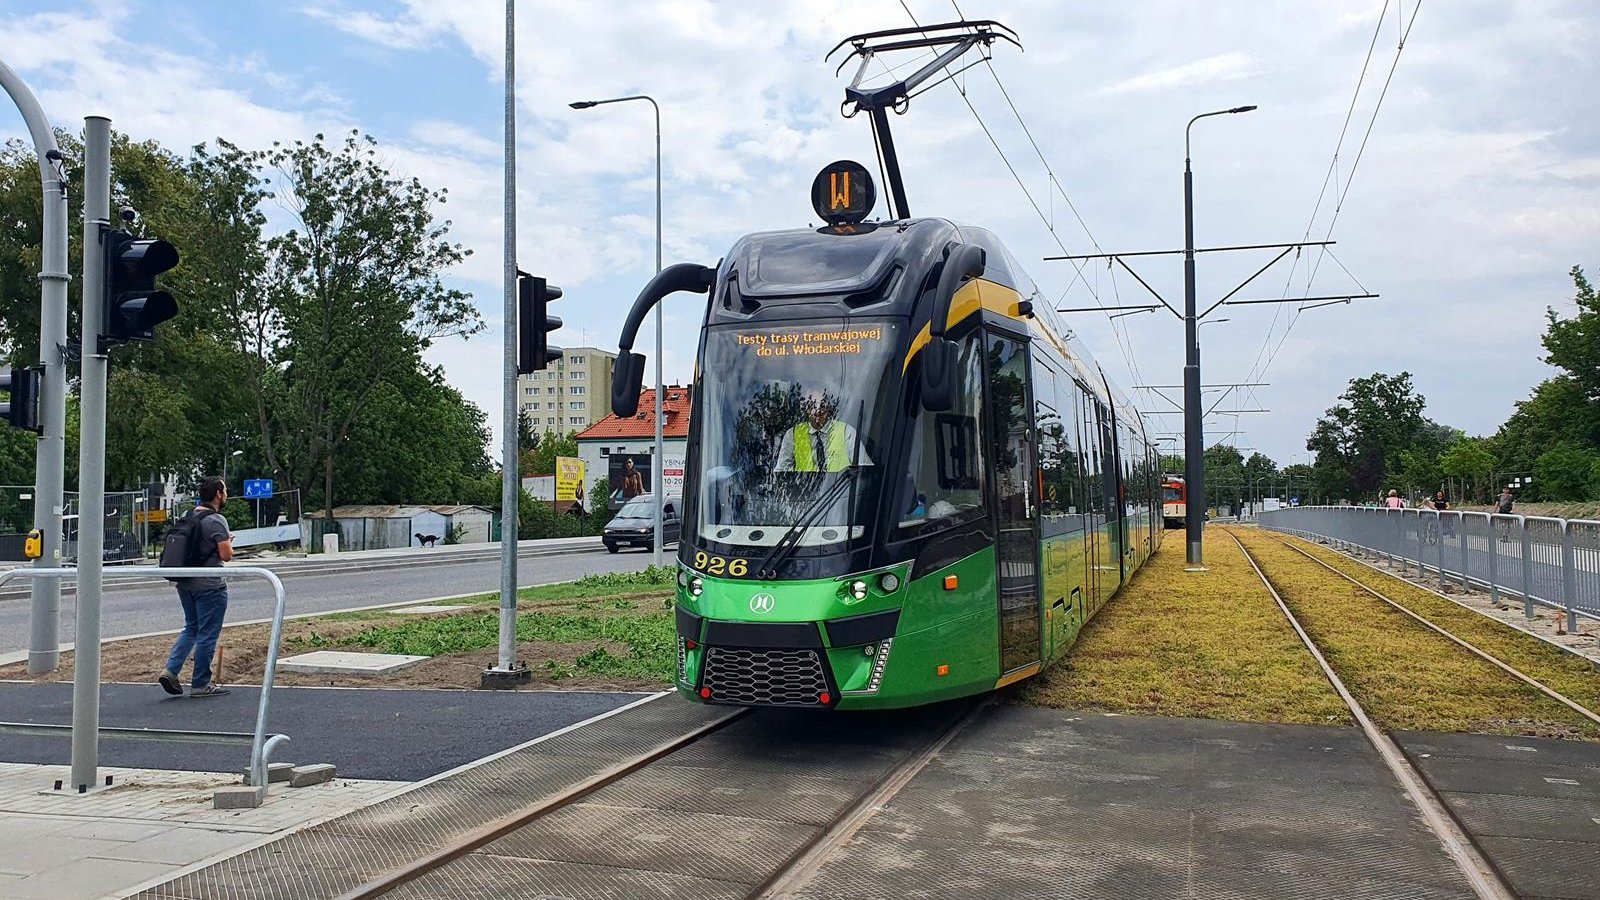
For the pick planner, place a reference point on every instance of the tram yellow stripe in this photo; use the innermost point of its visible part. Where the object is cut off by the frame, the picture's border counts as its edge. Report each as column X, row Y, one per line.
column 973, row 296
column 1018, row 675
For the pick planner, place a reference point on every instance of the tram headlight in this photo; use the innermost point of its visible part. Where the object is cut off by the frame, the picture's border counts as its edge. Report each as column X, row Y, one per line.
column 696, row 586
column 683, row 578
column 858, row 589
column 890, row 582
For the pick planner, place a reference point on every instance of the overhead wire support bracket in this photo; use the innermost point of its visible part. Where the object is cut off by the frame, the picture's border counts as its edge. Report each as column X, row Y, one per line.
column 955, row 37
column 1331, row 298
column 1197, row 250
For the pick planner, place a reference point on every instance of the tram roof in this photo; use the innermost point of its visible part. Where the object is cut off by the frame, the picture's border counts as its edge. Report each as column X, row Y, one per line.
column 859, row 272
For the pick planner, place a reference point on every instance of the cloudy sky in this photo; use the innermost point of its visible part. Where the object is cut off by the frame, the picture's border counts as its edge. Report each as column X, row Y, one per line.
column 1477, row 188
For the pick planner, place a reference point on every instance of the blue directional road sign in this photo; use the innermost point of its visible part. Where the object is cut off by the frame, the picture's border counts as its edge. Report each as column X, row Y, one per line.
column 257, row 488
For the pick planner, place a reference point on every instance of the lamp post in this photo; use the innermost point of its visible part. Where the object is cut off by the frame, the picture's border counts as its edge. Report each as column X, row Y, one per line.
column 659, row 465
column 225, row 459
column 1193, row 436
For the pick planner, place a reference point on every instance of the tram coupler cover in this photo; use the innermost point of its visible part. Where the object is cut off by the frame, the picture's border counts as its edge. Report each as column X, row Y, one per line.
column 505, row 679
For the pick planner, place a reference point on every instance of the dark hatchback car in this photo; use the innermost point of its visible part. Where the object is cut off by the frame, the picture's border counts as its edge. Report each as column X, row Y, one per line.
column 635, row 523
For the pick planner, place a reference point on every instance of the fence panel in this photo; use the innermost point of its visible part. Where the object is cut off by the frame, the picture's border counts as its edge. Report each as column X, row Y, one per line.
column 1547, row 562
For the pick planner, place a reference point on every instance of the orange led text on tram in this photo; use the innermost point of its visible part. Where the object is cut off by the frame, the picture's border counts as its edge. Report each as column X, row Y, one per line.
column 810, row 343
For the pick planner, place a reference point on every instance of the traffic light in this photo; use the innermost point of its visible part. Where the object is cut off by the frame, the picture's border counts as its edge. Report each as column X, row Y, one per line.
column 133, row 305
column 22, row 410
column 534, row 323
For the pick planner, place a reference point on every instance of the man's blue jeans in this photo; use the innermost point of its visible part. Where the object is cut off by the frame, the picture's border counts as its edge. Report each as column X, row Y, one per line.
column 203, row 611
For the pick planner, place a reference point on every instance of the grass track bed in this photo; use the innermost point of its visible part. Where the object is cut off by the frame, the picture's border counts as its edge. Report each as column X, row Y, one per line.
column 1408, row 677
column 1564, row 672
column 1210, row 645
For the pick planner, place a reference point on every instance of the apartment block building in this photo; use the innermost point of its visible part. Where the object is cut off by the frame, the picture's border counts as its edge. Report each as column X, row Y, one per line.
column 572, row 394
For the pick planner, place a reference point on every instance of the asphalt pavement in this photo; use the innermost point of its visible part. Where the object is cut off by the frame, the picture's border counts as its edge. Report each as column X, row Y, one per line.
column 367, row 733
column 154, row 607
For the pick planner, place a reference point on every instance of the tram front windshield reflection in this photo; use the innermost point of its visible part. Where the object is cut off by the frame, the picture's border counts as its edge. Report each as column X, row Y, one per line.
column 790, row 424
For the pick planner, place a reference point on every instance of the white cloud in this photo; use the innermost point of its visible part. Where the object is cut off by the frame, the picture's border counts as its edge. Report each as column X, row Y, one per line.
column 1476, row 192
column 1222, row 67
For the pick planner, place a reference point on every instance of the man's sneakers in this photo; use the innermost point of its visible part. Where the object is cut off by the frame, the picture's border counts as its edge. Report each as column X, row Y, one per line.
column 211, row 690
column 169, row 683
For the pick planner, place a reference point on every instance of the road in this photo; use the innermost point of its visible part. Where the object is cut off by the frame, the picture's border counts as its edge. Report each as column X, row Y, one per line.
column 390, row 734
column 140, row 610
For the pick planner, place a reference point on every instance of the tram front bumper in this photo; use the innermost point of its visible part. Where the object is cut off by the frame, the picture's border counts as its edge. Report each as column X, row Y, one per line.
column 808, row 664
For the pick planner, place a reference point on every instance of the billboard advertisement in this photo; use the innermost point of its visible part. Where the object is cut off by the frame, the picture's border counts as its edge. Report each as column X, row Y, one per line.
column 569, row 478
column 629, row 476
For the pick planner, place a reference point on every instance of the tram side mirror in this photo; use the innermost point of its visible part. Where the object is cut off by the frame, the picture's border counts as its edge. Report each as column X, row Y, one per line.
column 627, row 379
column 939, row 374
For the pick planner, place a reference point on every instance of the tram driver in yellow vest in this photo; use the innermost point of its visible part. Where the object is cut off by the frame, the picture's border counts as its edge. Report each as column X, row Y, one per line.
column 820, row 442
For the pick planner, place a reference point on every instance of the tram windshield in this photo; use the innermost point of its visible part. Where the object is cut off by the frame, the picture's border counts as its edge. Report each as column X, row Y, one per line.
column 791, row 431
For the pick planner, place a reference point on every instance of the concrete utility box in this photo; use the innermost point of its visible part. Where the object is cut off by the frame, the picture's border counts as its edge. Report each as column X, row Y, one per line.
column 330, row 543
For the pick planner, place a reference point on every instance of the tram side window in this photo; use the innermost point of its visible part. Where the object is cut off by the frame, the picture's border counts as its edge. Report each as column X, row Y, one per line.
column 1048, row 420
column 943, row 483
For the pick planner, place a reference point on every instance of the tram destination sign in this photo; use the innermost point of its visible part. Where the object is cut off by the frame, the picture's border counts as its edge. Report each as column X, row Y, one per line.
column 811, row 341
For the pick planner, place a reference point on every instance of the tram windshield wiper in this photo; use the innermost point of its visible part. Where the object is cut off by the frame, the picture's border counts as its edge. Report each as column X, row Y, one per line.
column 784, row 548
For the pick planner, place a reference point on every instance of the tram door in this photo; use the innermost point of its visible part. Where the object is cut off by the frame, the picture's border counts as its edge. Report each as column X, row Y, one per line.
column 1010, row 423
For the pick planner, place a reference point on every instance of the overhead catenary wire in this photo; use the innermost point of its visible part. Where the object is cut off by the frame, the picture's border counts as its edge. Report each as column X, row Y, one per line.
column 1123, row 343
column 1259, row 369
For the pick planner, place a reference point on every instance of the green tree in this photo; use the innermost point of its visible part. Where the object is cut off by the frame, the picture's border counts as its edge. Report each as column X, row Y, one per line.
column 1566, row 473
column 1469, row 459
column 418, row 441
column 1358, row 440
column 352, row 298
column 541, row 460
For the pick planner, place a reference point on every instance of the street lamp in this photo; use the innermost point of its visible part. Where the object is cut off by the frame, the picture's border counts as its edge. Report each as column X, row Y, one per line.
column 225, row 459
column 660, row 453
column 1193, row 435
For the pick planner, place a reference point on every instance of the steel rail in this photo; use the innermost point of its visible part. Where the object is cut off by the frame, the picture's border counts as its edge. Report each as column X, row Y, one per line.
column 1490, row 658
column 802, row 866
column 488, row 833
column 1484, row 878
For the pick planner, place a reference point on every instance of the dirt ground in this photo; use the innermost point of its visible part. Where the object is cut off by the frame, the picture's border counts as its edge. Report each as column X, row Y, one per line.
column 243, row 651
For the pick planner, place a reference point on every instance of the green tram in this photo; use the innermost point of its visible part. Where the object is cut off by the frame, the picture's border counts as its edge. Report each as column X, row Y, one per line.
column 906, row 480
column 848, row 544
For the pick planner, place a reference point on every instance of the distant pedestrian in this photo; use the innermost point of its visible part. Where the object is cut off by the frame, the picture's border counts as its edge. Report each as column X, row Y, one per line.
column 199, row 540
column 1441, row 504
column 1393, row 501
column 1503, row 505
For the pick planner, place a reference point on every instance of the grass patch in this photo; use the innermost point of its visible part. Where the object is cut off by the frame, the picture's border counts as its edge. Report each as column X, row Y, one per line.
column 624, row 638
column 1406, row 676
column 1564, row 672
column 1209, row 645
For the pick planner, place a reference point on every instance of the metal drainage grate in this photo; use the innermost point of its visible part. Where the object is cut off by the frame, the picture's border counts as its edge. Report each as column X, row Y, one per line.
column 765, row 677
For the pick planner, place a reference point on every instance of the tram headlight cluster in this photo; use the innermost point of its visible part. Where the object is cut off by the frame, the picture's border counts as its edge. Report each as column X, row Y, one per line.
column 890, row 582
column 696, row 586
column 858, row 589
column 683, row 578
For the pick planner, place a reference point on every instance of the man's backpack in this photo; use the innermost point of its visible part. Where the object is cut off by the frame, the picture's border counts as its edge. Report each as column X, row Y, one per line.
column 185, row 543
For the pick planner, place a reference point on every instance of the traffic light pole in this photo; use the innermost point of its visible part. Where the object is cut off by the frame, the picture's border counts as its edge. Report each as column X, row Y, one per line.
column 506, row 672
column 44, row 643
column 91, row 456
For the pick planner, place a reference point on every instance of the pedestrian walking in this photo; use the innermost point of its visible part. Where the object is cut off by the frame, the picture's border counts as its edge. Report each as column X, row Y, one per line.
column 1503, row 507
column 1504, row 504
column 199, row 540
column 1393, row 501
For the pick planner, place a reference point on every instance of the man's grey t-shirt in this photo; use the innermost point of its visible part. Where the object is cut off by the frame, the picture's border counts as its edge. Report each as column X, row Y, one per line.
column 213, row 529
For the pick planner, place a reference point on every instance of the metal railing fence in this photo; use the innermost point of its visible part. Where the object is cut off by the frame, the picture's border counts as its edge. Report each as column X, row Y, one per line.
column 262, row 744
column 1547, row 562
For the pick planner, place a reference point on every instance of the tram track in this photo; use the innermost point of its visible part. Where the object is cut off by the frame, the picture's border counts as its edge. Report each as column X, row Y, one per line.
column 1485, row 880
column 422, row 876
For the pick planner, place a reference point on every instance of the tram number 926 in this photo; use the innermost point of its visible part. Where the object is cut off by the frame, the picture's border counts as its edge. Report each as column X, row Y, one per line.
column 717, row 565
